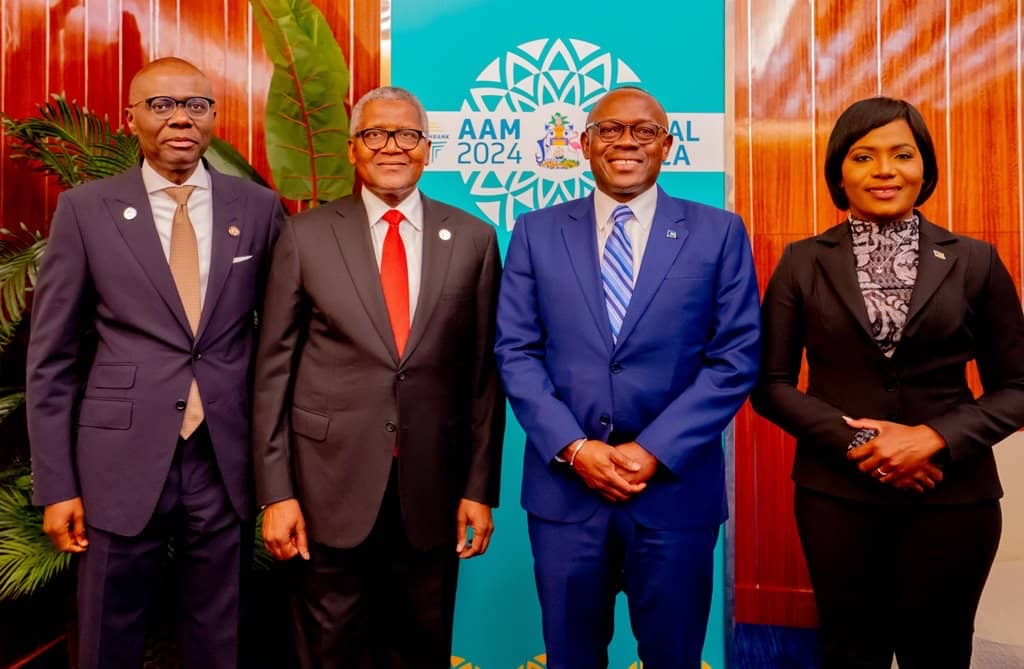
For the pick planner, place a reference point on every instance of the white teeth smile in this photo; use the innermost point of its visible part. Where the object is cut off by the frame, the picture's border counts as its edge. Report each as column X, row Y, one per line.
column 623, row 162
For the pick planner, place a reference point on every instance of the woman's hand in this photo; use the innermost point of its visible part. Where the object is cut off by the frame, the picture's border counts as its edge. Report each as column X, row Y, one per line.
column 900, row 455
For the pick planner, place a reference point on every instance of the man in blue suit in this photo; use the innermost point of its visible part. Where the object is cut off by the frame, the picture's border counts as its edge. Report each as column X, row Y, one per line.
column 627, row 340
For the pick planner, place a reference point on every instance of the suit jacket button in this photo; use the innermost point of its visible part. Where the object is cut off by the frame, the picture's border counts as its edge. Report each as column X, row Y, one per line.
column 197, row 356
column 180, row 405
column 891, row 384
column 616, row 368
column 401, row 376
column 605, row 421
column 390, row 427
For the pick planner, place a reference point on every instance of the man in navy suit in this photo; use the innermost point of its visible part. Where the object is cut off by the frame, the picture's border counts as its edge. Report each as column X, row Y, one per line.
column 166, row 263
column 627, row 340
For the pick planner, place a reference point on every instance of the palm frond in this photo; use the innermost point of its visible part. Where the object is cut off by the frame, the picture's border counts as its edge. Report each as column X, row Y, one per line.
column 28, row 560
column 10, row 400
column 71, row 142
column 19, row 260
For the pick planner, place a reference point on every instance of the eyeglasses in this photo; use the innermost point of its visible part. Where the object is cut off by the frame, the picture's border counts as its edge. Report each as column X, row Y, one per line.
column 164, row 106
column 377, row 138
column 643, row 133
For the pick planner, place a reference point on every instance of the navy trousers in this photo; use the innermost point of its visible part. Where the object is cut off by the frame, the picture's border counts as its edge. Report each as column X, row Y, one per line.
column 118, row 575
column 666, row 575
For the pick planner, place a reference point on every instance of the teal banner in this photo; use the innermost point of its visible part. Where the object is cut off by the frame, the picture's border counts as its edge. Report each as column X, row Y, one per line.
column 507, row 87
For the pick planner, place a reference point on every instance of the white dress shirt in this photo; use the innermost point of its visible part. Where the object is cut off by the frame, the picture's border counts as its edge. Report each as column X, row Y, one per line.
column 410, row 229
column 638, row 227
column 200, row 212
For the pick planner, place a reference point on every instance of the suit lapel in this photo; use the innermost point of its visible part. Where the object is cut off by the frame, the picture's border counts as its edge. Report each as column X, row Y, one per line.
column 936, row 257
column 223, row 244
column 580, row 236
column 662, row 248
column 836, row 259
column 352, row 232
column 139, row 233
column 437, row 254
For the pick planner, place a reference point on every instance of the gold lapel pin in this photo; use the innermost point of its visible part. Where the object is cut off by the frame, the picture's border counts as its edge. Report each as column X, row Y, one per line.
column 129, row 213
column 938, row 254
column 234, row 231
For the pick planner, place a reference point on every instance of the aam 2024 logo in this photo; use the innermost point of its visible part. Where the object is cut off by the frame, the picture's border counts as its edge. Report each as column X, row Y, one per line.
column 515, row 139
column 539, row 662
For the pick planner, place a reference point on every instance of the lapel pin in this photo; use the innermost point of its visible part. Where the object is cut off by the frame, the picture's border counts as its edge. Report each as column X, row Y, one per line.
column 234, row 231
column 938, row 254
column 445, row 234
column 671, row 234
column 129, row 213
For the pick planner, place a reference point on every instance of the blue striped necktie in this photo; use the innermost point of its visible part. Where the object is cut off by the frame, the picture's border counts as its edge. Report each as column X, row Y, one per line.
column 617, row 270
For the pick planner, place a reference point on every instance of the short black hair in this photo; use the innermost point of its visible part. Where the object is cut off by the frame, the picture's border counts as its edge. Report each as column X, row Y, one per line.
column 862, row 117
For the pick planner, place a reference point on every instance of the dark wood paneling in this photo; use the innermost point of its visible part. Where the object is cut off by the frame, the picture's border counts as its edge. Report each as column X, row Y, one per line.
column 90, row 50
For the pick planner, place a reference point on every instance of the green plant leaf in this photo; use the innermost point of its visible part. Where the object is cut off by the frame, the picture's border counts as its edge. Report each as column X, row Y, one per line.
column 306, row 123
column 227, row 160
column 10, row 400
column 71, row 143
column 28, row 560
column 20, row 254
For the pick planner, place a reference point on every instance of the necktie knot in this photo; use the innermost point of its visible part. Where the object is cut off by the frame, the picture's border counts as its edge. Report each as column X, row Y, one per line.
column 393, row 217
column 180, row 194
column 622, row 214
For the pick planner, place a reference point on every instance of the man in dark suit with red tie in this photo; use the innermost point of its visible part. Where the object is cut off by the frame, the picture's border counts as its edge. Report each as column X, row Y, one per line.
column 166, row 263
column 378, row 410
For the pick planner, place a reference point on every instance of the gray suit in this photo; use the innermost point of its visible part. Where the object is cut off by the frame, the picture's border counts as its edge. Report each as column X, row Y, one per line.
column 331, row 393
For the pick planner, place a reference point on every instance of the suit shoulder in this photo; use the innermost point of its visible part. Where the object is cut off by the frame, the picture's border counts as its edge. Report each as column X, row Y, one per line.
column 460, row 218
column 105, row 187
column 556, row 211
column 700, row 211
column 324, row 214
column 250, row 188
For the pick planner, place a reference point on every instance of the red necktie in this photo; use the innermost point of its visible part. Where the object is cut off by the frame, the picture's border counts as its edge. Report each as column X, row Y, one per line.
column 394, row 277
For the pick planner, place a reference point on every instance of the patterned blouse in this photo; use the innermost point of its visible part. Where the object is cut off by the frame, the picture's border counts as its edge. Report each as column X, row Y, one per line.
column 886, row 258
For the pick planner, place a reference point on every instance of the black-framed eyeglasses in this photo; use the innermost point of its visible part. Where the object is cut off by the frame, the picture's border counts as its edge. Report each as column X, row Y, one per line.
column 643, row 133
column 164, row 106
column 377, row 138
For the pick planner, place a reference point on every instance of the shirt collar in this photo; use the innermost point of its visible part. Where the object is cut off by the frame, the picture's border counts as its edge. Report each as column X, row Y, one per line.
column 411, row 207
column 154, row 182
column 908, row 227
column 643, row 206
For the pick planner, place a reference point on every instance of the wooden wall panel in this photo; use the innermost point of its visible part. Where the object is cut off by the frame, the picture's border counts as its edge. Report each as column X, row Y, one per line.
column 960, row 63
column 913, row 67
column 90, row 51
column 775, row 165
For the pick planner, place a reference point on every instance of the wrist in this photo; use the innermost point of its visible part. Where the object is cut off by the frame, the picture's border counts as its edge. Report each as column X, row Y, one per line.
column 576, row 451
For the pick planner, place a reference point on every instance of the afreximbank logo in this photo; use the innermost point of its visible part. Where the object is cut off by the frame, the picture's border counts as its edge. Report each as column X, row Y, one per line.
column 515, row 139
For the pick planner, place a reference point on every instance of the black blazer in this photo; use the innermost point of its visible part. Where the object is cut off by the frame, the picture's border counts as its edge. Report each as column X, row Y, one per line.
column 964, row 306
column 331, row 391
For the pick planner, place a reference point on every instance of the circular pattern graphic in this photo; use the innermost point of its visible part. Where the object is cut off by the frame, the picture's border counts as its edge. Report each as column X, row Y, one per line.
column 544, row 76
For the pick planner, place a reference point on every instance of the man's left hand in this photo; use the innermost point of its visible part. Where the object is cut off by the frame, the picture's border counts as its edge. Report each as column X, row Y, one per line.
column 475, row 516
column 637, row 453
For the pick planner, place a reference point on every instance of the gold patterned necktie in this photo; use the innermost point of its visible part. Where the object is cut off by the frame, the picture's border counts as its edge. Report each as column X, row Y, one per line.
column 184, row 262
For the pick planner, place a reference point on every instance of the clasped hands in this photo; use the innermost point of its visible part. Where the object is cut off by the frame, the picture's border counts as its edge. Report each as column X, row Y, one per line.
column 899, row 455
column 617, row 473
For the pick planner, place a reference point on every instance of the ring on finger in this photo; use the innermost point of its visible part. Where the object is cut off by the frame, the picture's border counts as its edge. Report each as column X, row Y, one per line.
column 881, row 472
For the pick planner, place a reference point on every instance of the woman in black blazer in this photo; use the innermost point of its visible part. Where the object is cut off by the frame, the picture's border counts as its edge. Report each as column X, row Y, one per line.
column 896, row 488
